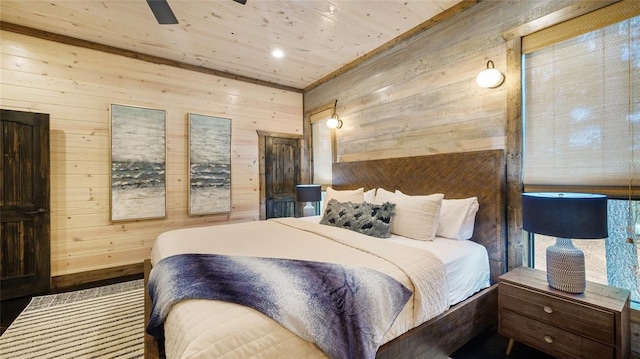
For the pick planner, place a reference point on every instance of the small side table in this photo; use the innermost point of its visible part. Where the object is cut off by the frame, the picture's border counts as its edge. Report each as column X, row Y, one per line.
column 593, row 324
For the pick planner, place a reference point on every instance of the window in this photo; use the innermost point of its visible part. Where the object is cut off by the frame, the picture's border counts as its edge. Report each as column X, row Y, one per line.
column 322, row 149
column 322, row 152
column 581, row 112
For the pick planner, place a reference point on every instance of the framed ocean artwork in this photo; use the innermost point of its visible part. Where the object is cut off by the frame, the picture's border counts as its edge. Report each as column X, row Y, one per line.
column 209, row 165
column 138, row 163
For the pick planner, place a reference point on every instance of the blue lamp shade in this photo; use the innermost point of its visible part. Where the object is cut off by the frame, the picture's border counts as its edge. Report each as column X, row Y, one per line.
column 565, row 216
column 308, row 193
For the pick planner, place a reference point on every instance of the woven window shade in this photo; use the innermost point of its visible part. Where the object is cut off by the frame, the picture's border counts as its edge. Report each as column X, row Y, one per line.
column 582, row 113
column 594, row 20
column 322, row 147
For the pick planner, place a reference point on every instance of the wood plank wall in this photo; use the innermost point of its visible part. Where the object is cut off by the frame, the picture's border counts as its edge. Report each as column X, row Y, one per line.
column 421, row 97
column 76, row 86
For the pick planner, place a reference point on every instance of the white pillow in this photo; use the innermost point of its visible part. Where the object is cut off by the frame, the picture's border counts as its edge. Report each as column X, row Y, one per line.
column 416, row 216
column 355, row 195
column 457, row 218
column 370, row 196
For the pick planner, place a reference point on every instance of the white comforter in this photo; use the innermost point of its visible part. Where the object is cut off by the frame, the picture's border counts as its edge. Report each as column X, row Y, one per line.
column 206, row 329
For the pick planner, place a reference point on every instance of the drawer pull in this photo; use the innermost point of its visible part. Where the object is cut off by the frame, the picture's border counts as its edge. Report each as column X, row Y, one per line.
column 548, row 339
column 548, row 309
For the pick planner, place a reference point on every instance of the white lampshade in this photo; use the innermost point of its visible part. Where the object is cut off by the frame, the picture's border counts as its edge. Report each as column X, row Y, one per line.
column 334, row 121
column 490, row 77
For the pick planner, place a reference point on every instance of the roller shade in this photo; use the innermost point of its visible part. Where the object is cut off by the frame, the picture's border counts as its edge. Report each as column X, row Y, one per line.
column 582, row 112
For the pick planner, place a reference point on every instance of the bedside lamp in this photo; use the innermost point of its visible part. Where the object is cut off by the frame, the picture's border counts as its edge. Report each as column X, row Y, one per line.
column 308, row 193
column 565, row 216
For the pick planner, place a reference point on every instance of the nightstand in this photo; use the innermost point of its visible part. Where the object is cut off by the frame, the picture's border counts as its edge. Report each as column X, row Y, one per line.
column 593, row 324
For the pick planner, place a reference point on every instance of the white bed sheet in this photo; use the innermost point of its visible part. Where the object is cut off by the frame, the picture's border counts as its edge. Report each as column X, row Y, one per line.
column 194, row 318
column 466, row 262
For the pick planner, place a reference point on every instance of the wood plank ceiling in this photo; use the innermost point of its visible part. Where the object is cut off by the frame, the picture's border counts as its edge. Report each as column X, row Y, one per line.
column 318, row 37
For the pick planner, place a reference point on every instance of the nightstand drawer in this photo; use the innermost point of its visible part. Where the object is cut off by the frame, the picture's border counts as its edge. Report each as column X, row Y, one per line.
column 550, row 339
column 578, row 318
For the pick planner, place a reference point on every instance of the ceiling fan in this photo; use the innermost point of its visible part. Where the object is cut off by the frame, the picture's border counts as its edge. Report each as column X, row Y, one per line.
column 163, row 13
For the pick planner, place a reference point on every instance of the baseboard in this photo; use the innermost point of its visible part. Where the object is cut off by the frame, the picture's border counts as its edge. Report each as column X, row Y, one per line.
column 77, row 279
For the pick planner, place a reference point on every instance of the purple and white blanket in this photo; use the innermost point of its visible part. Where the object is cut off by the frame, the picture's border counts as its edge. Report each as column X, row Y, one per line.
column 345, row 311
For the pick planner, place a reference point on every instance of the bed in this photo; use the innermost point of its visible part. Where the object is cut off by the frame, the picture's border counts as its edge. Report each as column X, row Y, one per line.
column 459, row 175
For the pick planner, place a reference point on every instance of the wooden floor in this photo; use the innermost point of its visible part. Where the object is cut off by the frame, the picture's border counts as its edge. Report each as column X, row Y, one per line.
column 9, row 310
column 487, row 345
column 491, row 345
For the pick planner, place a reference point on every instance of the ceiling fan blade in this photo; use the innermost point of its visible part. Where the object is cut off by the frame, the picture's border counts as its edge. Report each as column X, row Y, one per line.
column 241, row 1
column 162, row 12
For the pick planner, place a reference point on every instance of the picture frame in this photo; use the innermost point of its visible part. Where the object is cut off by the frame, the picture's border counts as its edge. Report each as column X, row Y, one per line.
column 209, row 165
column 138, row 163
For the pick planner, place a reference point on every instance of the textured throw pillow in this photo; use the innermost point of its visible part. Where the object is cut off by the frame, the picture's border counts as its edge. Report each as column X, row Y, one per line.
column 366, row 218
column 416, row 216
column 355, row 195
column 457, row 218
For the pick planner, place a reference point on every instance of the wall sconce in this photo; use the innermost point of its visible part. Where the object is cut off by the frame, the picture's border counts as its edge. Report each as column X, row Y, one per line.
column 334, row 121
column 490, row 77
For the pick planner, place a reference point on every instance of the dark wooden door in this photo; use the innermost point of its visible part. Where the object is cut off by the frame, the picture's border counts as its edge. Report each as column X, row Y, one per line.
column 282, row 173
column 25, row 259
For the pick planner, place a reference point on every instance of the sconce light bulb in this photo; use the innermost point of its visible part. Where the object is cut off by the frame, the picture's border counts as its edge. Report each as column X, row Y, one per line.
column 334, row 123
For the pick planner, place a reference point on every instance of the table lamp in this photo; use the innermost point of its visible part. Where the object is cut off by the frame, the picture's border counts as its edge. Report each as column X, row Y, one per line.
column 308, row 193
column 565, row 216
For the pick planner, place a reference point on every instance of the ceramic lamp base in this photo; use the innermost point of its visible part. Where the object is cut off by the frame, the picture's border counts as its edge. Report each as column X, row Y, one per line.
column 309, row 210
column 565, row 267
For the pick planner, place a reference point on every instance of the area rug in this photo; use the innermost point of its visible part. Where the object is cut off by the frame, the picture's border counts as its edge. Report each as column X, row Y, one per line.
column 103, row 322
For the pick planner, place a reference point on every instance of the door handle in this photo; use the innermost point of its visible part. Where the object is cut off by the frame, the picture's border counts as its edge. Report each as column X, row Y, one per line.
column 38, row 211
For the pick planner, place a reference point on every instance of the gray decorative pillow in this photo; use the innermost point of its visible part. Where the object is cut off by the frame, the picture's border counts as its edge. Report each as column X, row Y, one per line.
column 366, row 218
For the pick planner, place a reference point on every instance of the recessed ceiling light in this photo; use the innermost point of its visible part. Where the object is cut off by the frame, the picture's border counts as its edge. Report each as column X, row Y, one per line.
column 277, row 53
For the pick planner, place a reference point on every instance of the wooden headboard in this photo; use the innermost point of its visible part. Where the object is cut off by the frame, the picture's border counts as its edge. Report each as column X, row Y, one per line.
column 458, row 175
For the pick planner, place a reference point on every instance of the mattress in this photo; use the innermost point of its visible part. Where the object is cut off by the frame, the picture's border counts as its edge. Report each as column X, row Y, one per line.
column 202, row 328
